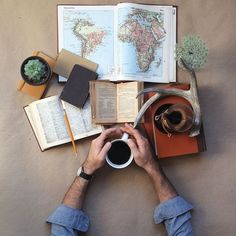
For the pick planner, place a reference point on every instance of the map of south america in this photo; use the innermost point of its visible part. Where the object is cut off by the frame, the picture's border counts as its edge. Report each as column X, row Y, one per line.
column 144, row 30
column 90, row 36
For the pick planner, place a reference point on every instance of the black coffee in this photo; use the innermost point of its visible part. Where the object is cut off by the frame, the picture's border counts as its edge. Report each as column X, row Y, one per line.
column 119, row 153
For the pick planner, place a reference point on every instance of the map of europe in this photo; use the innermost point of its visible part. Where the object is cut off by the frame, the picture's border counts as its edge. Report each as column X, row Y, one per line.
column 145, row 32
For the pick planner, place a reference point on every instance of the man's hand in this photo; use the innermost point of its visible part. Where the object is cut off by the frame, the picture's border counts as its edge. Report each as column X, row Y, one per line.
column 99, row 148
column 140, row 148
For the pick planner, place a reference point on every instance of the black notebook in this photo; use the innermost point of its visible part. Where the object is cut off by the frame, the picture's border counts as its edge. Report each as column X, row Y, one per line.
column 76, row 89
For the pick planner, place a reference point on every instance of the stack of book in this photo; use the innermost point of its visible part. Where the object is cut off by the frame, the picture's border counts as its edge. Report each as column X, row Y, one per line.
column 176, row 144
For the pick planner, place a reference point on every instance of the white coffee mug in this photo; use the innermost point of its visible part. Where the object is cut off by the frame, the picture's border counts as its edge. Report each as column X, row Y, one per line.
column 116, row 155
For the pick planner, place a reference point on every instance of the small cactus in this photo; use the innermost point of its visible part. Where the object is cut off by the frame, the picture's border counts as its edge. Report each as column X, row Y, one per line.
column 35, row 70
column 193, row 50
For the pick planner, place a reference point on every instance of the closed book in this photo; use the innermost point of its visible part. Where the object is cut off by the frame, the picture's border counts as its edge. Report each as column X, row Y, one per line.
column 76, row 89
column 66, row 61
column 176, row 144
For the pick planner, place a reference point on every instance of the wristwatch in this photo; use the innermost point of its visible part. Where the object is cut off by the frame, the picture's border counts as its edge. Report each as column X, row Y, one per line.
column 83, row 175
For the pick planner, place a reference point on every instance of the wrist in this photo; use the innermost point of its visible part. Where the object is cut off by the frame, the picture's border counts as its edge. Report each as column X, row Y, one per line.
column 152, row 167
column 89, row 169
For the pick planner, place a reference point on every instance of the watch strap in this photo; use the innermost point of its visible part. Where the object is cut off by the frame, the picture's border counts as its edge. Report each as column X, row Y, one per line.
column 83, row 175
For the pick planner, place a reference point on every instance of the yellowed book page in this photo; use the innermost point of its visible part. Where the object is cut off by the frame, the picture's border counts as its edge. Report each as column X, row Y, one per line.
column 105, row 102
column 48, row 122
column 127, row 103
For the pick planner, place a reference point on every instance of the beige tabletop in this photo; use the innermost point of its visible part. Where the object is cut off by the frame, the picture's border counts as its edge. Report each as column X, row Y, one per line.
column 32, row 183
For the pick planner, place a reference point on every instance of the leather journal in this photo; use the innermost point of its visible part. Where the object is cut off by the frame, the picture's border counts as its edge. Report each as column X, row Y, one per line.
column 76, row 89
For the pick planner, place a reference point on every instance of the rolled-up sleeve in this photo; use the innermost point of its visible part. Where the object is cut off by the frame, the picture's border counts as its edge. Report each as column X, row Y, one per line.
column 175, row 214
column 68, row 221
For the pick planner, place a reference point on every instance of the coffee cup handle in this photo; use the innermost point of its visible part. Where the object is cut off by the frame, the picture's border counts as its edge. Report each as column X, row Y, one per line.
column 125, row 137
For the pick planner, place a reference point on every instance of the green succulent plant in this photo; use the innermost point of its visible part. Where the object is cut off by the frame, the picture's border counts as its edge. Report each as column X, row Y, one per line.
column 192, row 50
column 35, row 70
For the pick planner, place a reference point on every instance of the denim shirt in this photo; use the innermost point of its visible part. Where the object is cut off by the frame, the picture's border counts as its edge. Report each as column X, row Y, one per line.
column 174, row 213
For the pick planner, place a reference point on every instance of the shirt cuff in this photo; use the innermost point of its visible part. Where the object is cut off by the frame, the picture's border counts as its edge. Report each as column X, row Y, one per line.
column 70, row 218
column 171, row 208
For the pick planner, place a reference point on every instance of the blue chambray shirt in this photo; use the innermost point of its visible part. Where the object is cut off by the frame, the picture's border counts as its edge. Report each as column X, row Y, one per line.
column 174, row 213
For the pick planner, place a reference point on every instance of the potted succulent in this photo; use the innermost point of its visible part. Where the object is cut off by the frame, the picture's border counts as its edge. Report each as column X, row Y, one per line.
column 35, row 70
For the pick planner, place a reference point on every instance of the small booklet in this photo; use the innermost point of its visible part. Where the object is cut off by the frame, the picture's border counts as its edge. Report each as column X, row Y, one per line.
column 76, row 89
column 48, row 123
column 129, row 41
column 114, row 102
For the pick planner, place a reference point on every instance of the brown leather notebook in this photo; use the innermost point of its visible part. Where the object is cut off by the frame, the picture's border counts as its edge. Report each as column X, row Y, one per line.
column 36, row 91
column 176, row 145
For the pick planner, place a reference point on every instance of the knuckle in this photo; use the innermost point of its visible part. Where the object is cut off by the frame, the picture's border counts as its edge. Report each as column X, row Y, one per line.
column 94, row 142
column 145, row 140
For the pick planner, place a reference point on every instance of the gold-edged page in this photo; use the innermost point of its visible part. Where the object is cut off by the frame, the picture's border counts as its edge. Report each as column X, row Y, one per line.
column 105, row 102
column 127, row 103
column 29, row 114
column 140, row 98
column 173, row 19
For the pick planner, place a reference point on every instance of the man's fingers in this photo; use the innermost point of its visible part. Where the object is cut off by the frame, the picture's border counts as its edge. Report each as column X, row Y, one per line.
column 115, row 135
column 105, row 149
column 104, row 135
column 110, row 132
column 134, row 132
column 133, row 147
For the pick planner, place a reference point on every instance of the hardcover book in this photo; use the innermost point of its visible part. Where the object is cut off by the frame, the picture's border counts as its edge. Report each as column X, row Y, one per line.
column 129, row 41
column 177, row 144
column 48, row 123
column 114, row 102
column 66, row 61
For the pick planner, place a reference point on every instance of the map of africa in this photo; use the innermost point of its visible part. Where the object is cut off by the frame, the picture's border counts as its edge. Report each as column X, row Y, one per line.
column 145, row 32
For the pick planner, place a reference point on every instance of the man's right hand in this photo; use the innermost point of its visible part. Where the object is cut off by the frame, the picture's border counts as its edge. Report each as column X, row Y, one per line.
column 140, row 148
column 99, row 148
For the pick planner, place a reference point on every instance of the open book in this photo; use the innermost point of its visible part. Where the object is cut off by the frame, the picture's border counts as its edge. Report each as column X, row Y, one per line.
column 47, row 120
column 128, row 41
column 114, row 102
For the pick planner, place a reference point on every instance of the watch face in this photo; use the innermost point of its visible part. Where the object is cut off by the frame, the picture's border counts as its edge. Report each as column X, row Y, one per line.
column 79, row 171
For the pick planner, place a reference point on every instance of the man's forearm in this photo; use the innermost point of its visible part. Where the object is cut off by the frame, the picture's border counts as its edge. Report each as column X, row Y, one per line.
column 162, row 185
column 76, row 193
